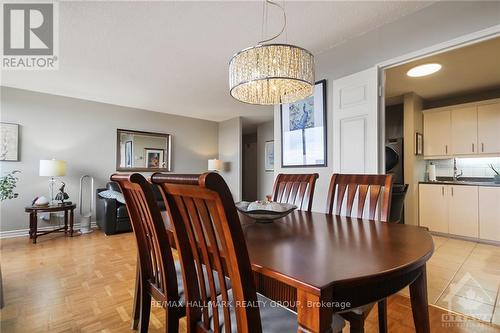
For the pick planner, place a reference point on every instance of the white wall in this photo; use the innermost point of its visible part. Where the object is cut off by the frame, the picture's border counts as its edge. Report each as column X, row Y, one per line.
column 230, row 154
column 432, row 25
column 83, row 133
column 265, row 179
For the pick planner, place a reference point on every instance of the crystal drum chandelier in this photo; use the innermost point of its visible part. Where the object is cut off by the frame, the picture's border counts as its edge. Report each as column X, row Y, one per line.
column 269, row 74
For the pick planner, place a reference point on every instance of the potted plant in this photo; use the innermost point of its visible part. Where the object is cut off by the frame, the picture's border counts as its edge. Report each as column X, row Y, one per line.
column 496, row 176
column 7, row 185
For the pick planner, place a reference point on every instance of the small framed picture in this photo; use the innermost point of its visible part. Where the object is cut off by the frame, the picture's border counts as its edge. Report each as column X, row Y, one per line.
column 269, row 155
column 155, row 158
column 9, row 142
column 419, row 144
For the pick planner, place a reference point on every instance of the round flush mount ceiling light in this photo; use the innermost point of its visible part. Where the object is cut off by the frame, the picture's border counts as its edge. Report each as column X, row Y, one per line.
column 424, row 70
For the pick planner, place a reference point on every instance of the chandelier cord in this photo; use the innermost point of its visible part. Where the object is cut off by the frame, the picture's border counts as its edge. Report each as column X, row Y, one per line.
column 284, row 21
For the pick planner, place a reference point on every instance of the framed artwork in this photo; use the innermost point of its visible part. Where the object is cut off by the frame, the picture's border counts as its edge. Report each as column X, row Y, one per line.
column 154, row 158
column 128, row 154
column 9, row 142
column 303, row 130
column 269, row 156
column 419, row 144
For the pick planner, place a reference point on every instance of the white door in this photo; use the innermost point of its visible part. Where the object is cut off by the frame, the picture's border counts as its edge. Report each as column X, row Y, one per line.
column 488, row 125
column 489, row 213
column 433, row 204
column 463, row 208
column 355, row 123
column 437, row 128
column 464, row 130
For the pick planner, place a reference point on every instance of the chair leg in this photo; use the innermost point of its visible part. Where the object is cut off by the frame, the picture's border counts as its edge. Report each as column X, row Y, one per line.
column 145, row 311
column 136, row 311
column 171, row 321
column 357, row 324
column 382, row 316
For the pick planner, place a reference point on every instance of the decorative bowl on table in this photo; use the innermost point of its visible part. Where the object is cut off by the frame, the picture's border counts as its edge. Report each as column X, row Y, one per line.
column 265, row 211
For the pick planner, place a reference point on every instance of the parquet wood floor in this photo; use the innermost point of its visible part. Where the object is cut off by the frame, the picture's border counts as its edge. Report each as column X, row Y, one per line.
column 86, row 283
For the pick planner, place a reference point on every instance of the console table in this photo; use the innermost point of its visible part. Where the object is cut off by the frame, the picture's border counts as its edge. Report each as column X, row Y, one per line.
column 68, row 209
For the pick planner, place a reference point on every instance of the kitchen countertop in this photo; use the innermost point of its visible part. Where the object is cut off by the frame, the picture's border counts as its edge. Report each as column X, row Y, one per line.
column 463, row 181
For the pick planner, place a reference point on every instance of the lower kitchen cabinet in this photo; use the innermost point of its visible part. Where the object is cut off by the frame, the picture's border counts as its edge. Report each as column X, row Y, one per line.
column 433, row 203
column 489, row 213
column 451, row 209
column 463, row 210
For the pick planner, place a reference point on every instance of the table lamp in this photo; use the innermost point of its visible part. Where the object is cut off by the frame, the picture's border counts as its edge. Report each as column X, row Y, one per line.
column 52, row 168
column 214, row 165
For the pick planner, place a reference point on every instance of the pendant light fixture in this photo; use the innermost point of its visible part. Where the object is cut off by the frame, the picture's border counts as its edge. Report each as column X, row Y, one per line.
column 271, row 73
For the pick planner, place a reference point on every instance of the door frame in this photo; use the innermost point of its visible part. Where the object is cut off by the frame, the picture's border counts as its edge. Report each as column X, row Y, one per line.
column 455, row 43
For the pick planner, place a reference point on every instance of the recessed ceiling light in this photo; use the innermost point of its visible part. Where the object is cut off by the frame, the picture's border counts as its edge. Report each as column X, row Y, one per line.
column 423, row 70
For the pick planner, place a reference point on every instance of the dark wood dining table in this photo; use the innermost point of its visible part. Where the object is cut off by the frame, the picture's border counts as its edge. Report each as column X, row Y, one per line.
column 317, row 264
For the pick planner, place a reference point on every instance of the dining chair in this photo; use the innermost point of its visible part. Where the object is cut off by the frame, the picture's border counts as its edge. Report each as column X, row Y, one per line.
column 208, row 232
column 159, row 276
column 376, row 190
column 295, row 189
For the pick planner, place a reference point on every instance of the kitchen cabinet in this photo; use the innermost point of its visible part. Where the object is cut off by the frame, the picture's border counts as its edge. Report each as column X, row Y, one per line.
column 489, row 213
column 437, row 131
column 433, row 203
column 463, row 210
column 464, row 131
column 488, row 128
column 450, row 209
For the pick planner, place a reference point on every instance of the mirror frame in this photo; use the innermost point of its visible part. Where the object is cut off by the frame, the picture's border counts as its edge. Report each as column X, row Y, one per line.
column 167, row 156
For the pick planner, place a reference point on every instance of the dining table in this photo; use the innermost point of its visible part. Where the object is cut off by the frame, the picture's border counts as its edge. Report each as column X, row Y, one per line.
column 318, row 264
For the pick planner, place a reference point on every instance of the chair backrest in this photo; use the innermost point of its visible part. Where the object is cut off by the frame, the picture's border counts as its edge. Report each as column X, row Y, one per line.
column 295, row 189
column 398, row 203
column 376, row 189
column 208, row 234
column 155, row 254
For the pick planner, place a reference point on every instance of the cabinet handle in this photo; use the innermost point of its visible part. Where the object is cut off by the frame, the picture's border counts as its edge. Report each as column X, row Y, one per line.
column 442, row 191
column 472, row 147
column 452, row 191
column 446, row 149
column 482, row 147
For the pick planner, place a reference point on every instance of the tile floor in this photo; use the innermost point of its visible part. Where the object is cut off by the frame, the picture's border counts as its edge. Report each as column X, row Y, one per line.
column 464, row 277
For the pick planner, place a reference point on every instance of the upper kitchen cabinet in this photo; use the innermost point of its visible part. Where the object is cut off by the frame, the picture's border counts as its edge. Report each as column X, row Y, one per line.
column 464, row 131
column 437, row 132
column 488, row 128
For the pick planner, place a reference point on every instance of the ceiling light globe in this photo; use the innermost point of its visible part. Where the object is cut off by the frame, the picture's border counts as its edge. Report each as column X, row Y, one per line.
column 424, row 70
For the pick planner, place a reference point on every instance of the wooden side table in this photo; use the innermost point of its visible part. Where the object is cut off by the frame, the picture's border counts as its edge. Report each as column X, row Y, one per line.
column 68, row 209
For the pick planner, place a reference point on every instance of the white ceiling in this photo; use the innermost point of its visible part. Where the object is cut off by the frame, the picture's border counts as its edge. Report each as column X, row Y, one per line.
column 173, row 57
column 470, row 69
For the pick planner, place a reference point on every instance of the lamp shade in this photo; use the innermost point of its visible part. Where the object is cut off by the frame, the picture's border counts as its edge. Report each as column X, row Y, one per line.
column 214, row 165
column 52, row 168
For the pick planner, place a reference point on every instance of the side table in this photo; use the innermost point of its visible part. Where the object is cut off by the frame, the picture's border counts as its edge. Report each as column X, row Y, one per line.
column 68, row 209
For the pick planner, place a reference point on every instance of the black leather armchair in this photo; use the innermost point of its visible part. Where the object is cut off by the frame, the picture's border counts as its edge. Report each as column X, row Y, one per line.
column 112, row 216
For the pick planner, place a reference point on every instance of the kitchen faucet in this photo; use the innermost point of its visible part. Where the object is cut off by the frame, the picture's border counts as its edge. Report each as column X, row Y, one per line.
column 456, row 175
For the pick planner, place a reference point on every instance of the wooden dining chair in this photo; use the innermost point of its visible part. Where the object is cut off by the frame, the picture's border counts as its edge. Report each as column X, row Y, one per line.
column 295, row 189
column 376, row 191
column 208, row 232
column 159, row 276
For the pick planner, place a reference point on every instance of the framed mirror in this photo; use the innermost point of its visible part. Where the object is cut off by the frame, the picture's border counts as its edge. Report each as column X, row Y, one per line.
column 143, row 151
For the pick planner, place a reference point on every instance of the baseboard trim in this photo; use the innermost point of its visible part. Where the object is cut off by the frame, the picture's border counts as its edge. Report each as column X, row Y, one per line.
column 471, row 239
column 25, row 232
